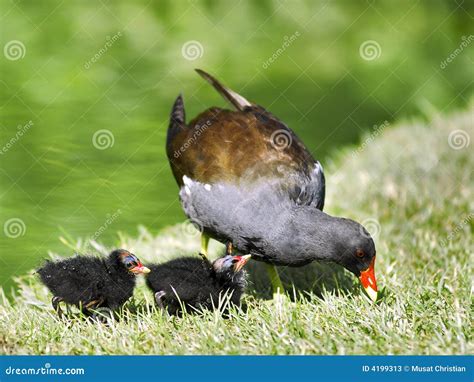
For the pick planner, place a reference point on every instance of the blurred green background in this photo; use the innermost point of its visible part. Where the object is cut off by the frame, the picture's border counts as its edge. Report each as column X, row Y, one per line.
column 76, row 68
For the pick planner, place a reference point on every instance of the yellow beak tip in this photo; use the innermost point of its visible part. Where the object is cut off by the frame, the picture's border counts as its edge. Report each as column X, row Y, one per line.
column 373, row 295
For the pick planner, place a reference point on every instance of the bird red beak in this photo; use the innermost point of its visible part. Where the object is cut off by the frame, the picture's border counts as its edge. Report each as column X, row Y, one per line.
column 368, row 281
column 140, row 269
column 241, row 261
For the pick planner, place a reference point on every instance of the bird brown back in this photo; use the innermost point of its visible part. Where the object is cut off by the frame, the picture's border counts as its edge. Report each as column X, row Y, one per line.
column 239, row 147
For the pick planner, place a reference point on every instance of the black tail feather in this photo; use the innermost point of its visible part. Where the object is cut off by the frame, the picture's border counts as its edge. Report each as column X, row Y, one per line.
column 178, row 114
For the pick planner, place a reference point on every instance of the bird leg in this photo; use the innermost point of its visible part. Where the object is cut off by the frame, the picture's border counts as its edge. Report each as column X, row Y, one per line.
column 55, row 302
column 277, row 285
column 159, row 299
column 96, row 312
column 94, row 303
column 229, row 248
column 204, row 246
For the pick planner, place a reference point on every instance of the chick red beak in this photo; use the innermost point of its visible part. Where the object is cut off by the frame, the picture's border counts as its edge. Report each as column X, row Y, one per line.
column 241, row 261
column 140, row 269
column 368, row 281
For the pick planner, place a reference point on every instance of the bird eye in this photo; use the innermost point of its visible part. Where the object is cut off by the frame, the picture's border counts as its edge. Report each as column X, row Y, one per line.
column 130, row 265
column 360, row 253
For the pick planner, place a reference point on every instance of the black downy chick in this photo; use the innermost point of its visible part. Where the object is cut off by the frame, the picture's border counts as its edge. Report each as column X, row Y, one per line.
column 91, row 282
column 197, row 284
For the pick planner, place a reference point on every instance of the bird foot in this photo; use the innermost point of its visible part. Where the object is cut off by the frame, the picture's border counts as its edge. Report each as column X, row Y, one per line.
column 57, row 308
column 103, row 315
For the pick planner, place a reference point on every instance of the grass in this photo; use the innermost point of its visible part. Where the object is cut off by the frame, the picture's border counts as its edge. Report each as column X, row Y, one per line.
column 414, row 193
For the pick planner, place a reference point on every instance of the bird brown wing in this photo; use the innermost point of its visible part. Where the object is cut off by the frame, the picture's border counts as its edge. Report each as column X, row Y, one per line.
column 242, row 146
column 245, row 146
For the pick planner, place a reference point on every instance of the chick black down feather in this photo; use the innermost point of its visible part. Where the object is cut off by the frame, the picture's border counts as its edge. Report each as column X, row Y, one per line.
column 80, row 280
column 194, row 283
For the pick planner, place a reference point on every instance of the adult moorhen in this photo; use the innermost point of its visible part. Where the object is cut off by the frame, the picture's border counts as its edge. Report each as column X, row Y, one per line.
column 92, row 282
column 245, row 178
column 196, row 284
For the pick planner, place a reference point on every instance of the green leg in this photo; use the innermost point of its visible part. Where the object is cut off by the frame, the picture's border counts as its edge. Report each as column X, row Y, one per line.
column 204, row 245
column 277, row 285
